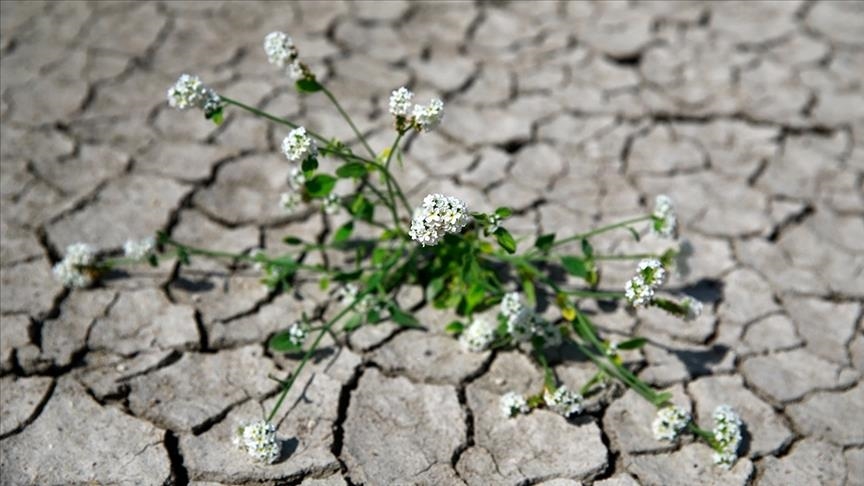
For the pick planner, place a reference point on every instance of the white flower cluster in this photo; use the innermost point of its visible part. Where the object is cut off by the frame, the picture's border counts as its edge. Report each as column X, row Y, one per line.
column 290, row 201
column 665, row 218
column 437, row 216
column 282, row 52
column 563, row 401
column 670, row 422
column 639, row 290
column 421, row 117
column 139, row 250
column 298, row 145
column 296, row 178
column 72, row 271
column 523, row 323
column 348, row 293
column 297, row 333
column 478, row 336
column 332, row 204
column 727, row 434
column 692, row 308
column 190, row 92
column 513, row 404
column 259, row 441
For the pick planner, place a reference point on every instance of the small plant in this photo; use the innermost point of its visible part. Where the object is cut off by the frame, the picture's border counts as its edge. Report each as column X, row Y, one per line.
column 464, row 260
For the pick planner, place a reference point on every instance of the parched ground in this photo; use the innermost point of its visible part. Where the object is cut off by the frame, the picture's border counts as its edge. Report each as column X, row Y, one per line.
column 750, row 115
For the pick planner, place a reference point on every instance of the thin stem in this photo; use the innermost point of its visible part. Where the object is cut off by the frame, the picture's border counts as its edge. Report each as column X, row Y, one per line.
column 706, row 435
column 348, row 119
column 234, row 256
column 586, row 388
column 601, row 229
column 633, row 256
column 290, row 381
column 593, row 293
column 270, row 117
column 389, row 180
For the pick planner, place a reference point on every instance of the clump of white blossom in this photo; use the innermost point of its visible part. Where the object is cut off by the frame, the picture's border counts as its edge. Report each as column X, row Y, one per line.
column 73, row 271
column 437, row 216
column 139, row 250
column 665, row 220
column 727, row 435
column 563, row 401
column 423, row 118
column 282, row 52
column 298, row 145
column 348, row 293
column 190, row 92
column 478, row 336
column 297, row 333
column 296, row 178
column 332, row 204
column 290, row 201
column 513, row 404
column 669, row 423
column 639, row 290
column 692, row 308
column 523, row 323
column 259, row 440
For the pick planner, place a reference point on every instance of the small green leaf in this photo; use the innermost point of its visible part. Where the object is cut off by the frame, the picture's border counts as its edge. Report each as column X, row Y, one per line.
column 351, row 169
column 454, row 327
column 505, row 239
column 161, row 237
column 344, row 232
column 324, row 283
column 587, row 249
column 634, row 233
column 574, row 266
column 530, row 292
column 321, row 185
column 218, row 116
column 353, row 323
column 634, row 343
column 347, row 276
column 403, row 318
column 436, row 286
column 307, row 85
column 544, row 242
column 503, row 212
column 309, row 164
column 153, row 260
column 292, row 240
column 361, row 208
column 283, row 343
column 183, row 256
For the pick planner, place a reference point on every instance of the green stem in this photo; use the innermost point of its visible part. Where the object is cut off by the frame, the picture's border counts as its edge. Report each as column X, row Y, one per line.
column 586, row 388
column 290, row 381
column 706, row 435
column 634, row 256
column 601, row 229
column 234, row 256
column 348, row 119
column 548, row 375
column 270, row 117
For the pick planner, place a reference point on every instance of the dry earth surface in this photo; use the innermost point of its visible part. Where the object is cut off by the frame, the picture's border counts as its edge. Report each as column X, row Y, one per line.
column 750, row 115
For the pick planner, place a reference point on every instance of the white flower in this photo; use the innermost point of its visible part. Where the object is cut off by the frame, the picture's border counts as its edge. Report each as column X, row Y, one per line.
column 727, row 434
column 190, row 92
column 665, row 220
column 652, row 271
column 563, row 401
column 139, row 250
column 478, row 336
column 332, row 204
column 426, row 118
column 72, row 271
column 494, row 223
column 258, row 254
column 520, row 318
column 550, row 333
column 259, row 440
column 295, row 70
column 280, row 49
column 637, row 292
column 513, row 404
column 298, row 146
column 670, row 422
column 346, row 294
column 296, row 178
column 400, row 102
column 692, row 308
column 289, row 201
column 437, row 216
column 297, row 333
column 511, row 304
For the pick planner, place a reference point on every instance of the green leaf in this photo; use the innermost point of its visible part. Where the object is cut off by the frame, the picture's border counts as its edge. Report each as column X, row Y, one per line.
column 347, row 276
column 436, row 286
column 473, row 297
column 574, row 266
column 544, row 242
column 344, row 232
column 503, row 212
column 634, row 343
column 307, row 85
column 587, row 249
column 217, row 116
column 505, row 239
column 634, row 233
column 403, row 318
column 292, row 240
column 361, row 208
column 321, row 185
column 309, row 164
column 282, row 343
column 454, row 327
column 183, row 256
column 529, row 291
column 161, row 237
column 353, row 323
column 351, row 169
